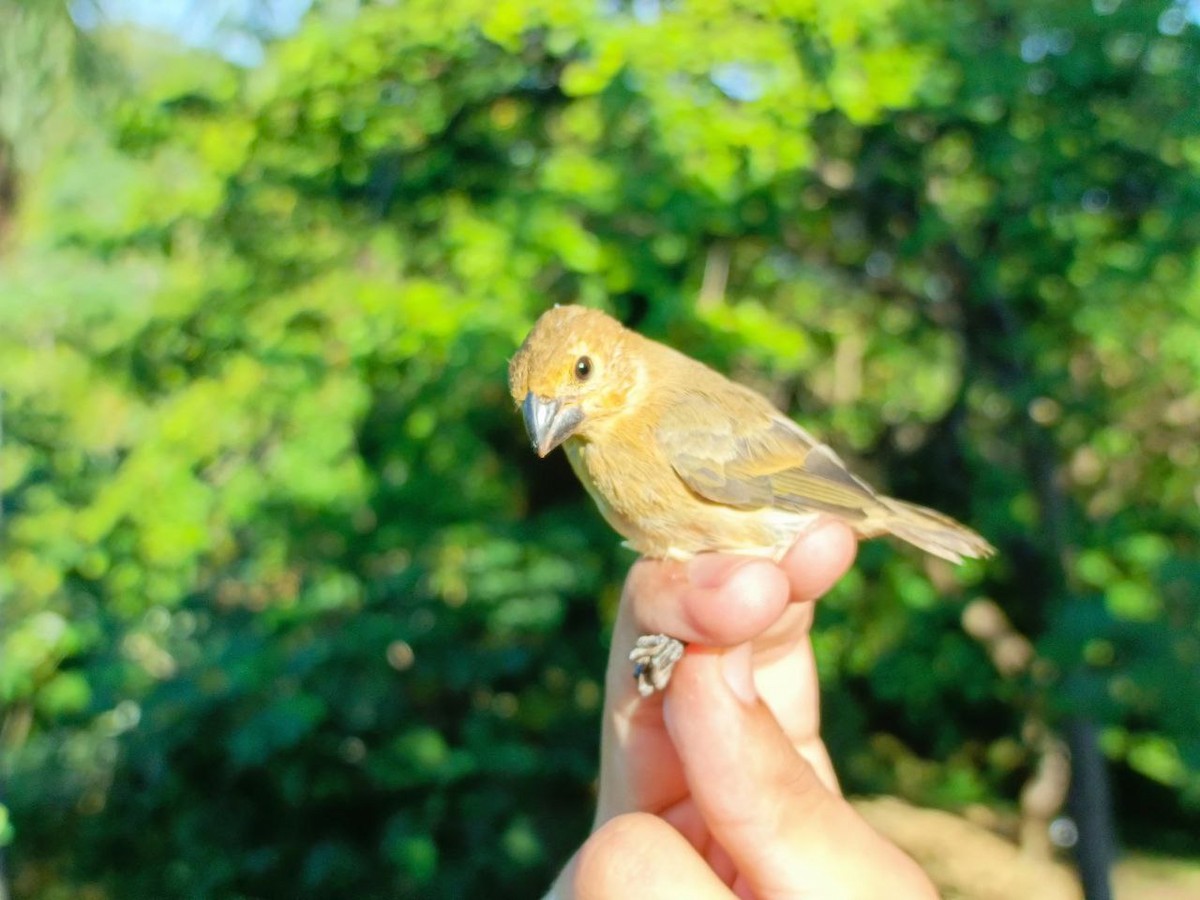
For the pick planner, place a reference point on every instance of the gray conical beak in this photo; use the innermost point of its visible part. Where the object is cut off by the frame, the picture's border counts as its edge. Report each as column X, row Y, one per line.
column 549, row 422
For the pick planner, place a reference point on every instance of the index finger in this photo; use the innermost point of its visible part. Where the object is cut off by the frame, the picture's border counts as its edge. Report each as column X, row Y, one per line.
column 714, row 599
column 721, row 599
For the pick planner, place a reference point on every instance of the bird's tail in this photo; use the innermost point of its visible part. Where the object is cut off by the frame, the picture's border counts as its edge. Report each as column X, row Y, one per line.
column 931, row 531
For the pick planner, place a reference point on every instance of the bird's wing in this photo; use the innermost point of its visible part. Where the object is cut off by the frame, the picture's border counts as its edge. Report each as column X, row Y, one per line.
column 747, row 458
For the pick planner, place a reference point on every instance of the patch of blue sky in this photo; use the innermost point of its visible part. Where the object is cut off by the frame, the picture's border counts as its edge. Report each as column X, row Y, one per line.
column 234, row 28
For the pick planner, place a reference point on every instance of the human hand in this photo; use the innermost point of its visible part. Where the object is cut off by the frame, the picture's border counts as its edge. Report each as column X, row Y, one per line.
column 724, row 788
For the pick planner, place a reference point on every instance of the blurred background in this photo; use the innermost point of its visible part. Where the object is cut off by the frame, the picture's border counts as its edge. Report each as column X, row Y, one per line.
column 287, row 606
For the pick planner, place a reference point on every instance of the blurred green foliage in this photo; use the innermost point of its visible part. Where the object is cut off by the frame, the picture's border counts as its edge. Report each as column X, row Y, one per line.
column 288, row 609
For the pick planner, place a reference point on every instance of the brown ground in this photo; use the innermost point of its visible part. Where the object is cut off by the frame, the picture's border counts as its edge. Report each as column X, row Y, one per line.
column 969, row 862
column 1151, row 878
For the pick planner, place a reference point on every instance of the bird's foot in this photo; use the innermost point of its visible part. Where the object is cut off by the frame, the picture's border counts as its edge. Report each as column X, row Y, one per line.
column 654, row 657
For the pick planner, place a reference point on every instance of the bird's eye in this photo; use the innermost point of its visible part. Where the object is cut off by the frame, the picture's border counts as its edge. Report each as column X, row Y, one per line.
column 583, row 368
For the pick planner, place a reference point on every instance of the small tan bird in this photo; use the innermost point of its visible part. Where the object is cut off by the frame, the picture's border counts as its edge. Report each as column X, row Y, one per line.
column 681, row 460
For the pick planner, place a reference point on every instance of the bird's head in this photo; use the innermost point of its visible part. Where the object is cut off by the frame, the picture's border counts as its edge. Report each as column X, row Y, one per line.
column 572, row 372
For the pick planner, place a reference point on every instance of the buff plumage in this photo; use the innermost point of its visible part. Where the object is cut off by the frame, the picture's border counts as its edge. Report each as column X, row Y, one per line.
column 680, row 460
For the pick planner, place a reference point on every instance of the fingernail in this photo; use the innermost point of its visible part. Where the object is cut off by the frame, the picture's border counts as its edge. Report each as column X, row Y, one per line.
column 737, row 668
column 710, row 570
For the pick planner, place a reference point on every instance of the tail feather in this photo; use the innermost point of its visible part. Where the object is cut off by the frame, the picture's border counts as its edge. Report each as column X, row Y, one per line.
column 931, row 531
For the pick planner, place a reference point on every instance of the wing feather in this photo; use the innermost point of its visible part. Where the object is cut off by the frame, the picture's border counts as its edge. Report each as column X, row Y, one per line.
column 753, row 458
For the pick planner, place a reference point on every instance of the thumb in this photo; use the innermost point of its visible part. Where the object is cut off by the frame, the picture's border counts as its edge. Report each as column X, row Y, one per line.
column 763, row 802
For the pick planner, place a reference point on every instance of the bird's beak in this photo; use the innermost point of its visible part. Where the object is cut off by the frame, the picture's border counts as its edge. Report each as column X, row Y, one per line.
column 549, row 422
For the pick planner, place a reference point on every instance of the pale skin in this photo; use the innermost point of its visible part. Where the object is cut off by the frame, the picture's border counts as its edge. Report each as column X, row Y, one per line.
column 722, row 787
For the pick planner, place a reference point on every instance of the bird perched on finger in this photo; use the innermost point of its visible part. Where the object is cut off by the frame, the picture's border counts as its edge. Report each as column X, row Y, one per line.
column 680, row 460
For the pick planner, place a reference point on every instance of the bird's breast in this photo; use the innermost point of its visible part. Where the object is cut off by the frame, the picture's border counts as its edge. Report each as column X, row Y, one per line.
column 596, row 472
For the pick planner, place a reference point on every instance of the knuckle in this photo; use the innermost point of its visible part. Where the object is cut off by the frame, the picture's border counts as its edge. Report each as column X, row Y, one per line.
column 613, row 855
column 653, row 590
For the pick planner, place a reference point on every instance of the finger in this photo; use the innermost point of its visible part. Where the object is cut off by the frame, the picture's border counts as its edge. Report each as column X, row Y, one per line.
column 763, row 802
column 788, row 684
column 715, row 599
column 818, row 558
column 785, row 669
column 712, row 599
column 721, row 600
column 685, row 818
column 638, row 855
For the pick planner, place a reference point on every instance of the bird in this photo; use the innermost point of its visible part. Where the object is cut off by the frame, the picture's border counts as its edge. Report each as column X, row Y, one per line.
column 681, row 460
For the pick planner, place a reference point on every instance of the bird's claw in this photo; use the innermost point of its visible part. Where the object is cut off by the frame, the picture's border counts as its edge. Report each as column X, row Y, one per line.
column 654, row 657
